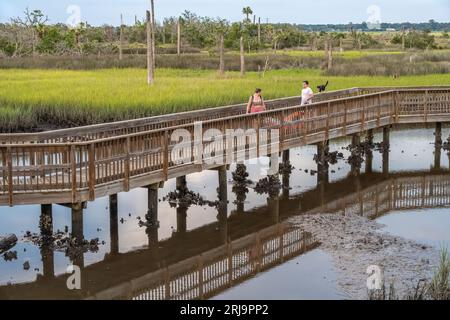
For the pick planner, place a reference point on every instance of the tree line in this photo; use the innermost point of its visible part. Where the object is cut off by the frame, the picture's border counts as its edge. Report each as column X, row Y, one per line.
column 32, row 34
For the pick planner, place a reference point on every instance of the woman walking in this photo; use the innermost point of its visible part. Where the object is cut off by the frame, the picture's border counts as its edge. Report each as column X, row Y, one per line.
column 256, row 102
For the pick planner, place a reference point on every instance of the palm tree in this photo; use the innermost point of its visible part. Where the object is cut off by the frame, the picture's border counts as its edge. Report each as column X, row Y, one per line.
column 247, row 11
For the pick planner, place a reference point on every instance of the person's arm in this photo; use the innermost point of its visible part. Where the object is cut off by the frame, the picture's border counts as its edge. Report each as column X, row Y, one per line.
column 249, row 104
column 263, row 103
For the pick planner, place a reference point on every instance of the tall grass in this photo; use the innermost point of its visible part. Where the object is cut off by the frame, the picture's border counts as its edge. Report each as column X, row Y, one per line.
column 37, row 99
column 411, row 63
column 386, row 63
column 439, row 288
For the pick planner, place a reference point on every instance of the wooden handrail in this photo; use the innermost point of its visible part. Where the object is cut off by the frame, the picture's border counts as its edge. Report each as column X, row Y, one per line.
column 97, row 165
column 84, row 133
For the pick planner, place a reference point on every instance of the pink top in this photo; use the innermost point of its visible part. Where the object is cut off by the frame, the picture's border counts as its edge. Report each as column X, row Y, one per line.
column 257, row 104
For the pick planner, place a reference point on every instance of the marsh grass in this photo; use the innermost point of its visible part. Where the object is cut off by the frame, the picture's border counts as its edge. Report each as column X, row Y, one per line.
column 36, row 99
column 410, row 63
column 438, row 289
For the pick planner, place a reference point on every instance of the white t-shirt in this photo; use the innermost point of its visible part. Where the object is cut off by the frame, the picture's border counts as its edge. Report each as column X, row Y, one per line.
column 306, row 94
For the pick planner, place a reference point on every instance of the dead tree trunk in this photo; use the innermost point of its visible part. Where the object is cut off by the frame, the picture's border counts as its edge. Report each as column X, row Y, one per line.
column 150, row 69
column 121, row 38
column 259, row 32
column 330, row 54
column 152, row 3
column 221, row 55
column 179, row 37
column 242, row 57
column 403, row 40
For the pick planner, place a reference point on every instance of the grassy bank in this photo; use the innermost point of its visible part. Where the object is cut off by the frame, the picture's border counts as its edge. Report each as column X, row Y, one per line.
column 36, row 99
column 381, row 63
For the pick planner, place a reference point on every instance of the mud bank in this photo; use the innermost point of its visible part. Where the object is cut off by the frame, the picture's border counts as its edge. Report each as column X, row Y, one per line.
column 355, row 242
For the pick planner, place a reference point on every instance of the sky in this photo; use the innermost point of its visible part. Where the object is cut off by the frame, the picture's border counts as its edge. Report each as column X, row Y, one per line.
column 98, row 12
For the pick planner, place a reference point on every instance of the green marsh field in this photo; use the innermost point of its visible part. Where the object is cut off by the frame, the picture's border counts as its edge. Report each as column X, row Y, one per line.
column 33, row 99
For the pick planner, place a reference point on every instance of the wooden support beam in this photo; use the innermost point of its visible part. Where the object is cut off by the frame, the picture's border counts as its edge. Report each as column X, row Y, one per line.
column 75, row 206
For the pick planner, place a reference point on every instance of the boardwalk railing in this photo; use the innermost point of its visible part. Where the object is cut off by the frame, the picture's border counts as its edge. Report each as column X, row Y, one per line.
column 70, row 172
column 104, row 130
column 204, row 276
column 406, row 193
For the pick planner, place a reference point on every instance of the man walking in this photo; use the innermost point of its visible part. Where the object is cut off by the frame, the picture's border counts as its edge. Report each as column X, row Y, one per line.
column 307, row 93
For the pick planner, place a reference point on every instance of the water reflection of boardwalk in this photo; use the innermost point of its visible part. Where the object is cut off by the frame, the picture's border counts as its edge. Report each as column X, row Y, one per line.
column 132, row 274
column 210, row 273
column 403, row 193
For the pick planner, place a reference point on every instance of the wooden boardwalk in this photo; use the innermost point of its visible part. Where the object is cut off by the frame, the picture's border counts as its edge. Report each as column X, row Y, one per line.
column 82, row 164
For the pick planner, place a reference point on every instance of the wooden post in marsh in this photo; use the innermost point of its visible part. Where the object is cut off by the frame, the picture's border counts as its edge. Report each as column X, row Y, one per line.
column 242, row 57
column 259, row 32
column 221, row 55
column 152, row 5
column 330, row 54
column 150, row 69
column 403, row 39
column 121, row 38
column 313, row 42
column 179, row 37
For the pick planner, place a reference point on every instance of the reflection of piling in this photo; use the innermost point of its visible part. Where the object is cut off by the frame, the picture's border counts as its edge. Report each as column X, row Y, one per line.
column 285, row 174
column 356, row 142
column 114, row 224
column 46, row 225
column 437, row 146
column 152, row 215
column 285, row 156
column 46, row 229
column 322, row 164
column 77, row 231
column 222, row 215
column 152, row 208
column 240, row 187
column 181, row 219
column 369, row 152
column 360, row 195
column 273, row 205
column 386, row 147
column 181, row 183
